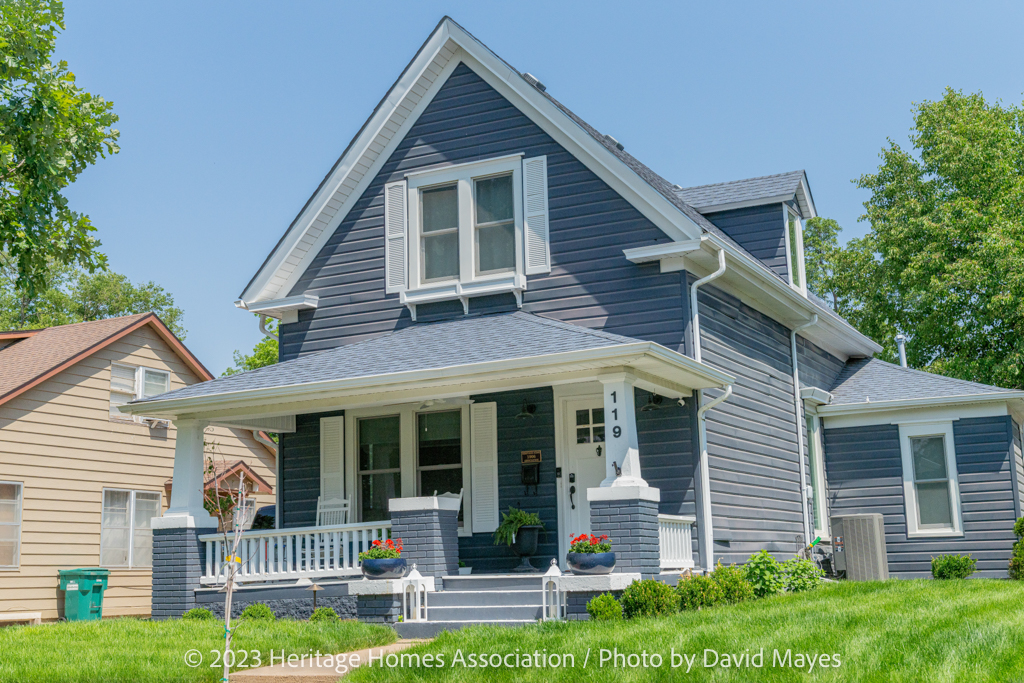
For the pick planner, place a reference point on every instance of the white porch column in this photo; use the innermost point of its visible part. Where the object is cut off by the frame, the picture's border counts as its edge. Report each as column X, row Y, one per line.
column 186, row 509
column 620, row 431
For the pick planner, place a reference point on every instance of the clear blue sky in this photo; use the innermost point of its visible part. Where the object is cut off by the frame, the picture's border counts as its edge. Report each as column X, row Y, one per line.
column 231, row 113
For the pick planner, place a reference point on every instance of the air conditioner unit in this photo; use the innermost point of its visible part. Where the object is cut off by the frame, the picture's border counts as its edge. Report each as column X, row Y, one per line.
column 858, row 546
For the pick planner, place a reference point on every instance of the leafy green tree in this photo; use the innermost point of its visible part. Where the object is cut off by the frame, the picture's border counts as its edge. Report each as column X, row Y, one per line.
column 71, row 295
column 50, row 131
column 943, row 262
column 263, row 354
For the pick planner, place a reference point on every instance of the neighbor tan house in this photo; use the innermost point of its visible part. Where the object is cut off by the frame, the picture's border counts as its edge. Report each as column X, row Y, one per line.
column 79, row 480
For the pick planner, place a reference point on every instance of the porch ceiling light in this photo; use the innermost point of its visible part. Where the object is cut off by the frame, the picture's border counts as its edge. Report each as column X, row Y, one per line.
column 653, row 403
column 527, row 411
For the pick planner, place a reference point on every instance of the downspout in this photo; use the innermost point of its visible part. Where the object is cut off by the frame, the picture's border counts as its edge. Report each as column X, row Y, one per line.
column 798, row 410
column 263, row 328
column 706, row 524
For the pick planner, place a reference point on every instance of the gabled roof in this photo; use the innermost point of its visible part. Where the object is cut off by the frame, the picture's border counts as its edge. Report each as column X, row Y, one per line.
column 736, row 194
column 223, row 469
column 462, row 350
column 869, row 380
column 46, row 352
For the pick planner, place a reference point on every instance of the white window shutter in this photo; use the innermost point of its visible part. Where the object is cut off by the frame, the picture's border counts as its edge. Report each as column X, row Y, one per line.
column 535, row 201
column 396, row 228
column 332, row 457
column 484, row 465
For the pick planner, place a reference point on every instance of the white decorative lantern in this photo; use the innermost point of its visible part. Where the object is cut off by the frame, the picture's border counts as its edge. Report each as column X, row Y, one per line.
column 551, row 594
column 414, row 596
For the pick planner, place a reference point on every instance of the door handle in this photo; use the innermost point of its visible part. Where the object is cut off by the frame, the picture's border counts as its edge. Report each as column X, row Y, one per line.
column 572, row 490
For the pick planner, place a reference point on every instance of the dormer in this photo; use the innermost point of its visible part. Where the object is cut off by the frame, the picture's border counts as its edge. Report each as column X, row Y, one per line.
column 764, row 216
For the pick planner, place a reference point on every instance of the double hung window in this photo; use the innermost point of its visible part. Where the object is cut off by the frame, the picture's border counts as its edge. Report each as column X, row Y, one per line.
column 930, row 480
column 126, row 536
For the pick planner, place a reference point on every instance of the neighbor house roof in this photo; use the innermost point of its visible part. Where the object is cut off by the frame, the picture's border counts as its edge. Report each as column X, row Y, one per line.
column 751, row 191
column 222, row 470
column 41, row 354
column 440, row 351
column 869, row 380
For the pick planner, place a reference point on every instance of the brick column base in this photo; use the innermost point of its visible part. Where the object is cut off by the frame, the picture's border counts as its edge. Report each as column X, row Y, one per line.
column 178, row 561
column 629, row 515
column 429, row 529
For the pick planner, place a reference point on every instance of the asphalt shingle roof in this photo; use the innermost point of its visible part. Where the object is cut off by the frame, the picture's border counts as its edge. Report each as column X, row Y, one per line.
column 870, row 378
column 748, row 189
column 424, row 346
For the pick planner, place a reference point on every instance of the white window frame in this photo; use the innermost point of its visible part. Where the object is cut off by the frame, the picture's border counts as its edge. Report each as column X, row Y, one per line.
column 131, row 524
column 816, row 452
column 787, row 214
column 464, row 177
column 944, row 429
column 408, row 447
column 21, row 509
column 140, row 385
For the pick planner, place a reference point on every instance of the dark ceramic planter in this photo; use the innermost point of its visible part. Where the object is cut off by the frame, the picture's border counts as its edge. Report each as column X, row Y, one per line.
column 591, row 563
column 391, row 568
column 525, row 546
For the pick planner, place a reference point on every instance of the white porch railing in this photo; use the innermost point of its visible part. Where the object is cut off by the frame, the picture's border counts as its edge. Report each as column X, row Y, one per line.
column 676, row 541
column 278, row 554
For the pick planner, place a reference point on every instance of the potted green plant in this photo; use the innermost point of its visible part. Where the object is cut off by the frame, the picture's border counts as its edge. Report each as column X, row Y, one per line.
column 383, row 560
column 519, row 530
column 590, row 554
column 464, row 570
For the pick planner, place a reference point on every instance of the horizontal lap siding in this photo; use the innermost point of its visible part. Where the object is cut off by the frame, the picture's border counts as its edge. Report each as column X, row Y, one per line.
column 758, row 229
column 865, row 475
column 590, row 283
column 1018, row 469
column 752, row 448
column 300, row 471
column 516, row 435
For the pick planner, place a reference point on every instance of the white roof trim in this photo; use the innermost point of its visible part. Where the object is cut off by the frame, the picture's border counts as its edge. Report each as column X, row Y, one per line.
column 929, row 402
column 448, row 45
column 275, row 308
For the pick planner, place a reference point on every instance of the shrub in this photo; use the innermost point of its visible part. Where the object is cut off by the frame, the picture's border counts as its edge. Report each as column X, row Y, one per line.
column 800, row 575
column 1017, row 558
column 733, row 582
column 323, row 615
column 764, row 573
column 698, row 591
column 605, row 608
column 383, row 550
column 199, row 614
column 649, row 598
column 953, row 566
column 585, row 543
column 258, row 610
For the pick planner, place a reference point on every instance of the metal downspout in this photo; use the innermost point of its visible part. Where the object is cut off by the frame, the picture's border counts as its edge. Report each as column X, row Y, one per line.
column 706, row 529
column 798, row 408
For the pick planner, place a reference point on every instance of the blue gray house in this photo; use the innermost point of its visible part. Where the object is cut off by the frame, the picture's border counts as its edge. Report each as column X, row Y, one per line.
column 489, row 298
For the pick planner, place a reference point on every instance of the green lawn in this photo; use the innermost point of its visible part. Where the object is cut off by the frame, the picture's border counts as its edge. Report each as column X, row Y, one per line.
column 136, row 651
column 895, row 631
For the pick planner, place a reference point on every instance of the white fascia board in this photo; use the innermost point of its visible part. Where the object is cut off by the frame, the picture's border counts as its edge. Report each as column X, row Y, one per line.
column 815, row 395
column 803, row 194
column 647, row 356
column 921, row 409
column 275, row 308
column 657, row 252
column 513, row 87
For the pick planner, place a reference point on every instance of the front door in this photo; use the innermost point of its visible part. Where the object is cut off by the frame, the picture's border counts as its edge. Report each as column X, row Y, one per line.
column 585, row 461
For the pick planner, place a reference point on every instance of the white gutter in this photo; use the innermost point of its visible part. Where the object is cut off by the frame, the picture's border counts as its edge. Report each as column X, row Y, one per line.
column 798, row 410
column 271, row 446
column 707, row 525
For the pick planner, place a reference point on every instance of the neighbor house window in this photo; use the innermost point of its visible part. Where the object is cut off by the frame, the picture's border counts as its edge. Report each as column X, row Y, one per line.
column 129, row 382
column 467, row 223
column 930, row 480
column 126, row 537
column 439, row 453
column 380, row 466
column 10, row 524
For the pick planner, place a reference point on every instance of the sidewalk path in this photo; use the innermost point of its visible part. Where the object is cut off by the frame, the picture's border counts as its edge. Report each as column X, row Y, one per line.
column 282, row 673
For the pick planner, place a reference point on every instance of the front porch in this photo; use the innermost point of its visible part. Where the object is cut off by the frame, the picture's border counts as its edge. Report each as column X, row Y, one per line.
column 592, row 432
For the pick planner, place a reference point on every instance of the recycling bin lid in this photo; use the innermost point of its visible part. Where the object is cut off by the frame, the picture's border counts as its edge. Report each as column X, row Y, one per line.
column 84, row 572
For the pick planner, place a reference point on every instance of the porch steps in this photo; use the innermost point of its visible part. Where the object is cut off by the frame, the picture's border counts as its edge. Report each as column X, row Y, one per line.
column 487, row 599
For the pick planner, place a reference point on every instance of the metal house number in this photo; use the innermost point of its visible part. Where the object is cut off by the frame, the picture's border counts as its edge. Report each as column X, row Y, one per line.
column 616, row 430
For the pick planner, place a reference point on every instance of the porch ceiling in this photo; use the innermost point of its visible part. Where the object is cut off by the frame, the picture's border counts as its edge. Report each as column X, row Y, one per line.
column 436, row 361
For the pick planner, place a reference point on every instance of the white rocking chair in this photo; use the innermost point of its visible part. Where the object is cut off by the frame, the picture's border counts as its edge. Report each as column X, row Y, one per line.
column 331, row 512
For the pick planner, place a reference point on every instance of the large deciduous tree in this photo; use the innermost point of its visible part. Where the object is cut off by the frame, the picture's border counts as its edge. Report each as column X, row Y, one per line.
column 50, row 131
column 943, row 261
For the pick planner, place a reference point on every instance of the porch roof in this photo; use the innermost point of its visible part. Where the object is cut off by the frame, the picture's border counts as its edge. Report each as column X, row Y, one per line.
column 443, row 359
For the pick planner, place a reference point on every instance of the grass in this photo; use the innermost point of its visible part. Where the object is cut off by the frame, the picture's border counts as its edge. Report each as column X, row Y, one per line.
column 137, row 651
column 931, row 631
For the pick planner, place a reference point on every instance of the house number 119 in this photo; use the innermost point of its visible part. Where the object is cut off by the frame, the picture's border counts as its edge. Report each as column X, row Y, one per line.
column 616, row 430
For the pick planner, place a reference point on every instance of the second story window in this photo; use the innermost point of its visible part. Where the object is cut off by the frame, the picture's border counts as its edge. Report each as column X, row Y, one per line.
column 440, row 233
column 495, row 226
column 795, row 250
column 130, row 382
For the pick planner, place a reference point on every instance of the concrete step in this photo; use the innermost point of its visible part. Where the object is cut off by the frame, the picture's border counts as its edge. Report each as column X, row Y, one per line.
column 430, row 629
column 510, row 598
column 482, row 612
column 484, row 582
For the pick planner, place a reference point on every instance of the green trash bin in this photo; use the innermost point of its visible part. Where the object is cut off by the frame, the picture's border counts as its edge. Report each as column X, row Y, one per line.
column 83, row 592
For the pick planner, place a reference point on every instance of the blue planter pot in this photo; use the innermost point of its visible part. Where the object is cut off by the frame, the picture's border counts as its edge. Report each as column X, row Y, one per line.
column 591, row 563
column 392, row 568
